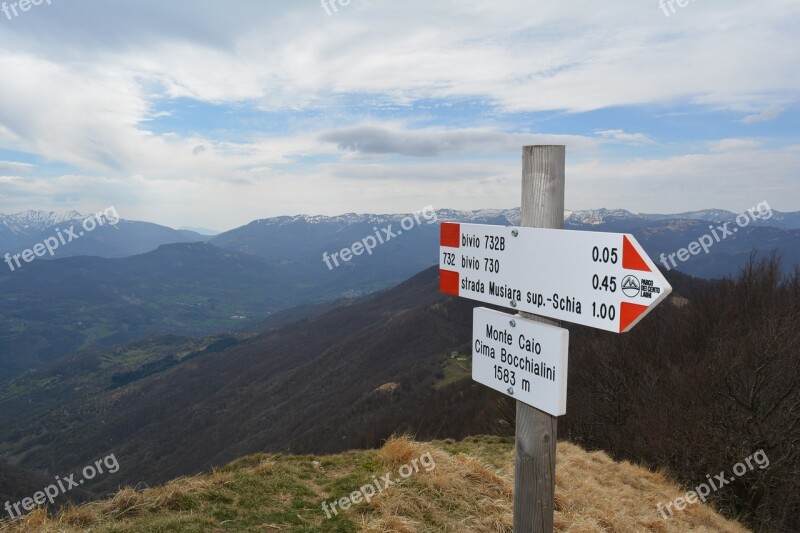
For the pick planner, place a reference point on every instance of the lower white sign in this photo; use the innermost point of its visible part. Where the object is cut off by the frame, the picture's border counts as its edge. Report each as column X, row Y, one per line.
column 521, row 358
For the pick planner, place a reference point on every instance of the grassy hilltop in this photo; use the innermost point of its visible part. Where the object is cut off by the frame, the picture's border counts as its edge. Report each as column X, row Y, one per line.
column 469, row 489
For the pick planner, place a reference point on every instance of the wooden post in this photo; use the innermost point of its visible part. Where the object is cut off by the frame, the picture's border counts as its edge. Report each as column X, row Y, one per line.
column 535, row 465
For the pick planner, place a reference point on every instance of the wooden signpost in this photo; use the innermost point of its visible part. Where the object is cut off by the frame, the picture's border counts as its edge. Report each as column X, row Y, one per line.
column 602, row 280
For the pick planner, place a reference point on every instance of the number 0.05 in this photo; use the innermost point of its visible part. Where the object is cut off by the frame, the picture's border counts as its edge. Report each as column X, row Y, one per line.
column 604, row 255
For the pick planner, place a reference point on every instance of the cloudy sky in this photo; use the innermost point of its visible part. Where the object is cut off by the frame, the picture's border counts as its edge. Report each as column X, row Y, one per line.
column 210, row 113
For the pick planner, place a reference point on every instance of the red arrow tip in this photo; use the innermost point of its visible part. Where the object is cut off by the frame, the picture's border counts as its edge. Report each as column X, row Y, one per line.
column 631, row 260
column 629, row 312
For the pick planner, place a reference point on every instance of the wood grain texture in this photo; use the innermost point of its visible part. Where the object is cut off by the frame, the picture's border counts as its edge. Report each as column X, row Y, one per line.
column 537, row 431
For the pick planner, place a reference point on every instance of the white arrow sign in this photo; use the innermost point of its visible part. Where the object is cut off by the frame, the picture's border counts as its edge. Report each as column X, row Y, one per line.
column 602, row 280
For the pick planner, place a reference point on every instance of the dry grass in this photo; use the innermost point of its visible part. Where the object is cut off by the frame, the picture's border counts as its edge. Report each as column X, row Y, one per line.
column 175, row 496
column 470, row 489
column 596, row 493
column 593, row 494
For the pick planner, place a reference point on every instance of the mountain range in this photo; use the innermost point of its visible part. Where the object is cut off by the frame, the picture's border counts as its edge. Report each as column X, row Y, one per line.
column 108, row 293
column 118, row 239
column 22, row 230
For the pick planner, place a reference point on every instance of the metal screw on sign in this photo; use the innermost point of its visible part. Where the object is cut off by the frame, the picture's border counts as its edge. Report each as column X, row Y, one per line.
column 514, row 232
column 513, row 323
column 511, row 391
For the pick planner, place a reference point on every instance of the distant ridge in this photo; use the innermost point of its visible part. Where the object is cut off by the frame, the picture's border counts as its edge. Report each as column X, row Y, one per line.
column 36, row 220
column 202, row 231
column 33, row 221
column 113, row 239
column 785, row 220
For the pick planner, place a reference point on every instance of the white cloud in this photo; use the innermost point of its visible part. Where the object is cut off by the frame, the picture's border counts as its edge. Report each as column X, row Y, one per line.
column 15, row 166
column 87, row 99
column 770, row 113
column 621, row 136
column 373, row 140
column 732, row 145
column 731, row 179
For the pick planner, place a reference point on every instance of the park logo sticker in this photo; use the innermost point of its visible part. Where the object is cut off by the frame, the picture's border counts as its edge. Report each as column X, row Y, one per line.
column 630, row 286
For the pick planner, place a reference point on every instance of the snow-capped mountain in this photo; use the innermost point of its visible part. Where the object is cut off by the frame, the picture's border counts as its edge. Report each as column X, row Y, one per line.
column 34, row 221
column 302, row 237
column 588, row 217
column 758, row 217
column 478, row 216
column 22, row 231
column 592, row 217
column 713, row 215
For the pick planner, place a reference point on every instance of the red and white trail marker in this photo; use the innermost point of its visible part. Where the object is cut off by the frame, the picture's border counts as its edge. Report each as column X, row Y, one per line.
column 602, row 280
